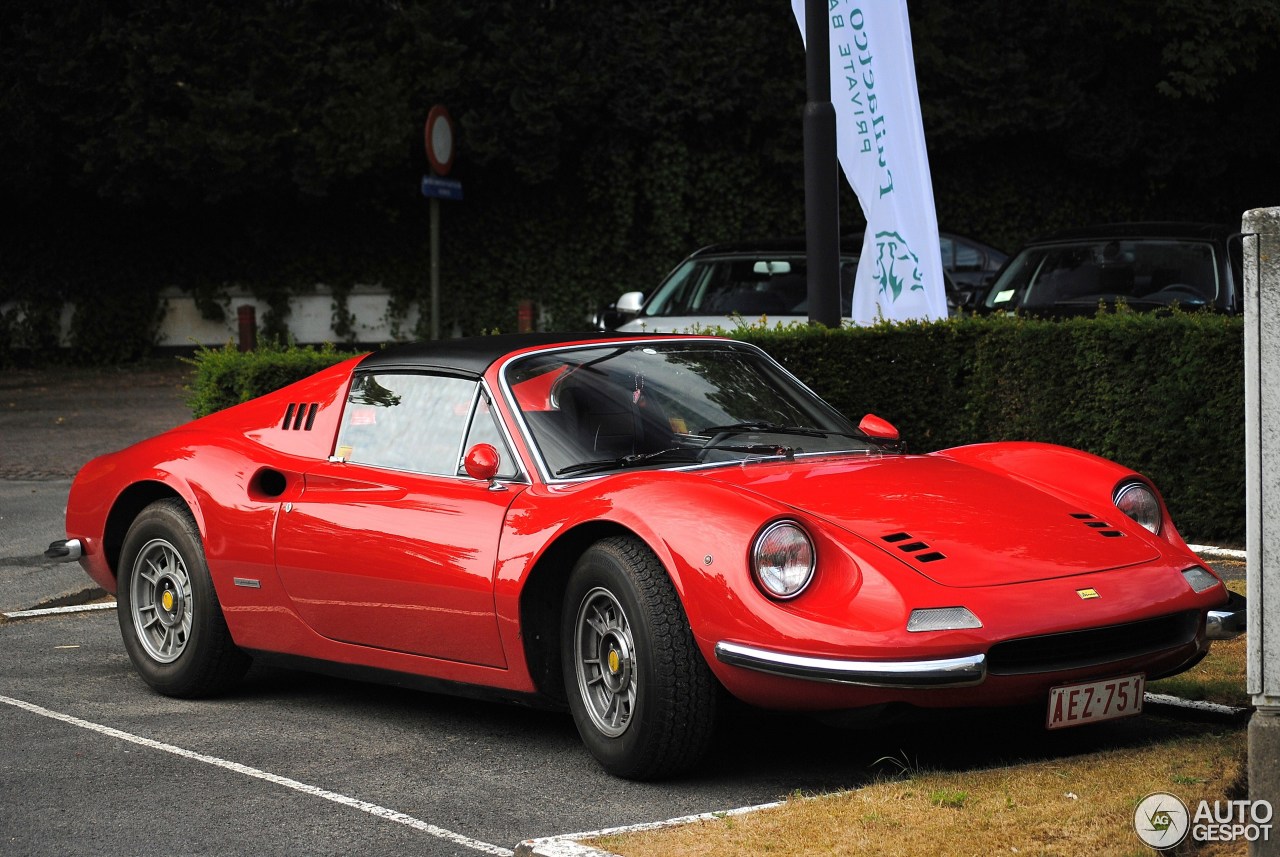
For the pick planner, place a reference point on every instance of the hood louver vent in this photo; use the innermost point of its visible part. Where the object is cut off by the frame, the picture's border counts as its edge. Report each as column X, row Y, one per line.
column 300, row 416
column 918, row 549
column 1094, row 523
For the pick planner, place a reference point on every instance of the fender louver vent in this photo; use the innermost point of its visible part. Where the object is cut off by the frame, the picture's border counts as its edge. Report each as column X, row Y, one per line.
column 1103, row 528
column 918, row 549
column 300, row 416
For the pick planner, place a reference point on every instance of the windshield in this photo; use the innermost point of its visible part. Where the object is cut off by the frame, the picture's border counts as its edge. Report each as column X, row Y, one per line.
column 748, row 285
column 1142, row 271
column 669, row 404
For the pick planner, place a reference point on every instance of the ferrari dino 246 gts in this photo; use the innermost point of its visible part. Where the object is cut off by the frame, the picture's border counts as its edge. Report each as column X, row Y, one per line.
column 632, row 526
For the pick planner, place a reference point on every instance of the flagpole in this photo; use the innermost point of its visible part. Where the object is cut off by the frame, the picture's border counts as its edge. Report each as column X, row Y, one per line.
column 821, row 199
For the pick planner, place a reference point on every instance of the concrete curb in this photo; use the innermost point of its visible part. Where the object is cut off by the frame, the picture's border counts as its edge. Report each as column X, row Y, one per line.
column 1211, row 552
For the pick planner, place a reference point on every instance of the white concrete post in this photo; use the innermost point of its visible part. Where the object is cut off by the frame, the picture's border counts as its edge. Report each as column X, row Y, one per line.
column 1262, row 502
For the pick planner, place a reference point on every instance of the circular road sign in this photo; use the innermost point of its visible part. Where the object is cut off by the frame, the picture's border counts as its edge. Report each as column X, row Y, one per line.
column 439, row 140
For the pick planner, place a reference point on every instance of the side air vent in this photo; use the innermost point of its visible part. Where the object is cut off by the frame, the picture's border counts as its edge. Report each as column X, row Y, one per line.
column 918, row 549
column 1095, row 523
column 300, row 416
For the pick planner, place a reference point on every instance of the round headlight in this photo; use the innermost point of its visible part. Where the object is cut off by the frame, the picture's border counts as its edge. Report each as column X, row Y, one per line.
column 783, row 559
column 1139, row 503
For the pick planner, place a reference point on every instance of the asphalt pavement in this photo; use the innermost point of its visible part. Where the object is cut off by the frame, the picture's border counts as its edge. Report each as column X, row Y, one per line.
column 52, row 421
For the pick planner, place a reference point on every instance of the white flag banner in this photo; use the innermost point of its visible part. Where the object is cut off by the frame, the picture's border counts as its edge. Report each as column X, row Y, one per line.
column 880, row 144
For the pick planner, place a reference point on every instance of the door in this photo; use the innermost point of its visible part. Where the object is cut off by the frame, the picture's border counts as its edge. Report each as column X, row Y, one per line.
column 387, row 545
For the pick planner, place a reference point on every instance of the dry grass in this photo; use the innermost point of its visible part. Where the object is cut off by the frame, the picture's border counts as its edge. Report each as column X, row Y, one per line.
column 1064, row 806
column 1082, row 805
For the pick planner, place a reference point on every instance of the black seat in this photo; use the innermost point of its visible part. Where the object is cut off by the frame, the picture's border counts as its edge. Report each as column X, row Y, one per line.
column 611, row 420
column 601, row 416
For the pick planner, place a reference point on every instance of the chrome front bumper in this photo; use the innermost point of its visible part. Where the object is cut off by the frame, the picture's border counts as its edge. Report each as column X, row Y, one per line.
column 65, row 550
column 946, row 672
column 1223, row 623
column 1227, row 621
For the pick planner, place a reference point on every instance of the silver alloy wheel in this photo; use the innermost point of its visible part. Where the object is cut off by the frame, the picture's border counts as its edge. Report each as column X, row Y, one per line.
column 160, row 600
column 605, row 662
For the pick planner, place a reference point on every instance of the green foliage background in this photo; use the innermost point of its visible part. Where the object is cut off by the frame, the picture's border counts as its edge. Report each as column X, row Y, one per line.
column 1162, row 395
column 277, row 144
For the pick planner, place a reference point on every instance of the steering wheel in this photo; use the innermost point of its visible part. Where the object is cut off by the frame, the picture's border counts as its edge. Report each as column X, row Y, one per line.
column 1176, row 290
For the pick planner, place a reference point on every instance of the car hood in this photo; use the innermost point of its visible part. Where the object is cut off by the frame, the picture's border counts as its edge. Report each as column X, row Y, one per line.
column 955, row 524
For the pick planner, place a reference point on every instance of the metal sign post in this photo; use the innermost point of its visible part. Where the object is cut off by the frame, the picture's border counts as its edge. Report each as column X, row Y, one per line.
column 821, row 183
column 438, row 138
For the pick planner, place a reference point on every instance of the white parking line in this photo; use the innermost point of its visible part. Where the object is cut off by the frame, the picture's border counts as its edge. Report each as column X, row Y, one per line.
column 568, row 844
column 314, row 791
column 53, row 611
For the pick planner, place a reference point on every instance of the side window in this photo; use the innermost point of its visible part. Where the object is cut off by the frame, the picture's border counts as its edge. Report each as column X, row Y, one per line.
column 406, row 422
column 484, row 429
column 948, row 248
column 967, row 258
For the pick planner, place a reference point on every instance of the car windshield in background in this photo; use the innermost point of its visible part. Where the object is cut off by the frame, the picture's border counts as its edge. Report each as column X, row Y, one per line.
column 1143, row 272
column 746, row 285
column 664, row 404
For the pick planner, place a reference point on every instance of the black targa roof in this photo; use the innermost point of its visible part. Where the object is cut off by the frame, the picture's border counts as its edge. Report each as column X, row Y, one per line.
column 473, row 355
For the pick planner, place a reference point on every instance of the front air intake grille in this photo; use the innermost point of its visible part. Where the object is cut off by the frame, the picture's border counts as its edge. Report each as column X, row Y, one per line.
column 300, row 416
column 1075, row 649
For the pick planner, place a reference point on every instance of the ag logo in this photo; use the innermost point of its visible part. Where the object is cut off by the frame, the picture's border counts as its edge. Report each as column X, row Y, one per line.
column 1161, row 820
column 897, row 267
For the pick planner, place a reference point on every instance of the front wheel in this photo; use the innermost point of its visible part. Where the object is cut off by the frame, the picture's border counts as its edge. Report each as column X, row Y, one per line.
column 169, row 614
column 641, row 694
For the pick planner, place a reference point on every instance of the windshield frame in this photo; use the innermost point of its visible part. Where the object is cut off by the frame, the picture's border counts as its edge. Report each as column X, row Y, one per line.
column 836, row 422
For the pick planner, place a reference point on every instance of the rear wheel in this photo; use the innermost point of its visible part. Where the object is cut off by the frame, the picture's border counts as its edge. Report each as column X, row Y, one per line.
column 641, row 694
column 169, row 613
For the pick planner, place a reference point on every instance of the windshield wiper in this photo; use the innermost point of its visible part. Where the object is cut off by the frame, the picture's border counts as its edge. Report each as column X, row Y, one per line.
column 767, row 449
column 581, row 467
column 738, row 428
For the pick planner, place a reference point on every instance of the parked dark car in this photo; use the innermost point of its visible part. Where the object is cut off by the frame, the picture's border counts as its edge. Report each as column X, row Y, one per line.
column 721, row 283
column 1149, row 266
column 971, row 264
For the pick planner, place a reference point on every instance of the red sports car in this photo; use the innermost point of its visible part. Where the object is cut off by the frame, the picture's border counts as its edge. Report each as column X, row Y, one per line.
column 632, row 526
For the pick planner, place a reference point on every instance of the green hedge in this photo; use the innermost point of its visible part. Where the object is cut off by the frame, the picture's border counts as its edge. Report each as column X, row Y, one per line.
column 1161, row 394
column 226, row 376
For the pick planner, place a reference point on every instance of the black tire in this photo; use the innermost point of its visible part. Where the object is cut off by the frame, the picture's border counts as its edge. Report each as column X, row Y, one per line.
column 642, row 696
column 169, row 613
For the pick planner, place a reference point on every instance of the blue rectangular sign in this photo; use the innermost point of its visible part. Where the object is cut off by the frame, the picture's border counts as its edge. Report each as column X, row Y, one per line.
column 441, row 188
